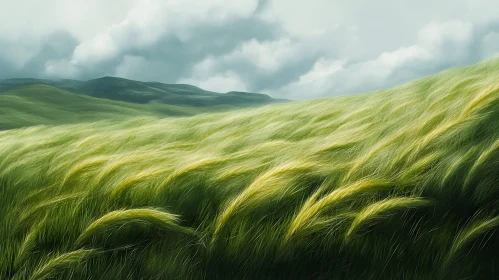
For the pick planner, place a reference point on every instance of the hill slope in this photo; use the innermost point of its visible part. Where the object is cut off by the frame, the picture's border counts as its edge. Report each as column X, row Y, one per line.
column 145, row 92
column 396, row 184
column 47, row 105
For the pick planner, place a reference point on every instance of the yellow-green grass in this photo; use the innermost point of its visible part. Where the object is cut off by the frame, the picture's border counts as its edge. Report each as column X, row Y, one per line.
column 396, row 184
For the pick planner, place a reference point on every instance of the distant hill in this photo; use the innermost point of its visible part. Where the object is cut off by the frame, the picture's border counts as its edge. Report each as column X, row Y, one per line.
column 120, row 89
column 47, row 105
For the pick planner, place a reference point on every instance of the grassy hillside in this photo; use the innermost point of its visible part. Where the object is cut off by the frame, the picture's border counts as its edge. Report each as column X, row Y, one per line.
column 396, row 184
column 120, row 89
column 42, row 104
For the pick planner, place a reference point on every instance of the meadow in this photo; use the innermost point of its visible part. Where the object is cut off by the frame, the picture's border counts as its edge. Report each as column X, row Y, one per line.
column 396, row 184
column 32, row 105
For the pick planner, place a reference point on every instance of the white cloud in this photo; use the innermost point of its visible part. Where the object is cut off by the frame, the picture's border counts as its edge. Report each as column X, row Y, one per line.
column 222, row 82
column 206, row 67
column 139, row 68
column 267, row 56
column 82, row 18
column 131, row 66
column 61, row 69
column 439, row 43
column 381, row 25
column 435, row 34
column 322, row 70
column 102, row 47
column 150, row 20
column 404, row 55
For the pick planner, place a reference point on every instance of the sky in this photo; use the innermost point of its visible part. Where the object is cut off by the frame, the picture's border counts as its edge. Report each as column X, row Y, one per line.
column 286, row 48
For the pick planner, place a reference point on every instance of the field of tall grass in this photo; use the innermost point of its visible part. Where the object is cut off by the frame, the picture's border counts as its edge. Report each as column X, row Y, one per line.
column 396, row 184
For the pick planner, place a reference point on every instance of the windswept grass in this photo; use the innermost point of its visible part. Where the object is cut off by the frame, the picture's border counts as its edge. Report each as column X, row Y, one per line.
column 64, row 261
column 379, row 209
column 471, row 233
column 396, row 184
column 115, row 221
column 312, row 208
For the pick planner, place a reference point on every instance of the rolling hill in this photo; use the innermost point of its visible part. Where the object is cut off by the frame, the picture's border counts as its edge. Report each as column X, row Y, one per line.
column 47, row 105
column 396, row 184
column 120, row 89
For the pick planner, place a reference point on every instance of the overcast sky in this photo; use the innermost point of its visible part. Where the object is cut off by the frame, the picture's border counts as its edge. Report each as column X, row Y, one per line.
column 286, row 48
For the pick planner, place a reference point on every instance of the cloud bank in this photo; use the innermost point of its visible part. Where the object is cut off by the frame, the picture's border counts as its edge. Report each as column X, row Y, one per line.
column 282, row 48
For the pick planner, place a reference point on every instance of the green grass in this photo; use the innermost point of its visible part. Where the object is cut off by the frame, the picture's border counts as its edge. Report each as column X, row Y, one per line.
column 396, row 184
column 42, row 104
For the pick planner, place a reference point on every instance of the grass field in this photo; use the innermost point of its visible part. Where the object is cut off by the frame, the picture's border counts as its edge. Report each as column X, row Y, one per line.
column 47, row 105
column 396, row 184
